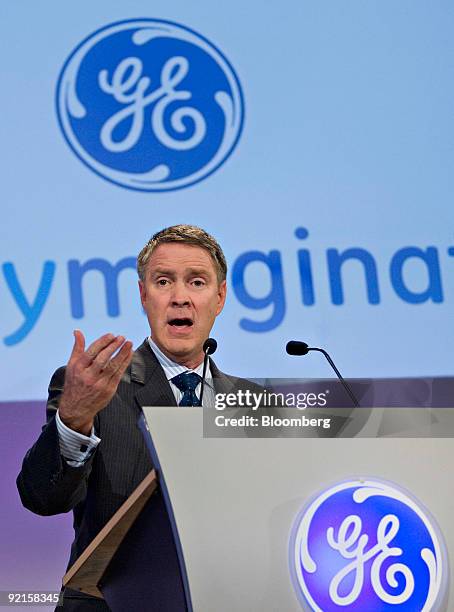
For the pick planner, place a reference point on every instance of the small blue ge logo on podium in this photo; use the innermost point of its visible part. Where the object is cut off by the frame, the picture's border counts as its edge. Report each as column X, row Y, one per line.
column 150, row 105
column 368, row 546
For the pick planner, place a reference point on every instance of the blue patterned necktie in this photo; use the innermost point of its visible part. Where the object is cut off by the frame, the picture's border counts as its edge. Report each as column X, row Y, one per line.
column 187, row 383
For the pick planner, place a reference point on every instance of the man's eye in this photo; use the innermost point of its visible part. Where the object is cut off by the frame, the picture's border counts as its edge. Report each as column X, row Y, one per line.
column 163, row 282
column 198, row 282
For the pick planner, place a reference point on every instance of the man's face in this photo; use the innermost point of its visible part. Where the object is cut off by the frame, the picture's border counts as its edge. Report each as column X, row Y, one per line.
column 182, row 297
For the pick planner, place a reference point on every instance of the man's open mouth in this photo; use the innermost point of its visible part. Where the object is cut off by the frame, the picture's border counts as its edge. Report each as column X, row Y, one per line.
column 180, row 322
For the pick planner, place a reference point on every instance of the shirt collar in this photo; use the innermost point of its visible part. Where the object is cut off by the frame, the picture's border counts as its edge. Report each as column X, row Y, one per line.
column 172, row 368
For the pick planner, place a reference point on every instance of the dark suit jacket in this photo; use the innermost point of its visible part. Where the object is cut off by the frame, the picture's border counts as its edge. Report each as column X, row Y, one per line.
column 95, row 490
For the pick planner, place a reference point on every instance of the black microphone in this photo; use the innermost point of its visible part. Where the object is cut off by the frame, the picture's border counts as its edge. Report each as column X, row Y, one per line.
column 295, row 347
column 209, row 347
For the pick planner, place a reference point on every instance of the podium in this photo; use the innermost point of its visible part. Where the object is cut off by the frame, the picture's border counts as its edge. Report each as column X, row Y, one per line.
column 233, row 503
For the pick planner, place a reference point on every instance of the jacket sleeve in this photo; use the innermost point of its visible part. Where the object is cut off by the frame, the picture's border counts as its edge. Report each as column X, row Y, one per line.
column 46, row 483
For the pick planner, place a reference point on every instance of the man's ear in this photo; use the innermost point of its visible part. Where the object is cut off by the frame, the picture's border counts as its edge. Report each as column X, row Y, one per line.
column 142, row 291
column 222, row 293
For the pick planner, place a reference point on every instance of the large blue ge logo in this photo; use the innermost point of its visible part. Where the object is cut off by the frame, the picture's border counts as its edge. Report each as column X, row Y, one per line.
column 367, row 546
column 150, row 105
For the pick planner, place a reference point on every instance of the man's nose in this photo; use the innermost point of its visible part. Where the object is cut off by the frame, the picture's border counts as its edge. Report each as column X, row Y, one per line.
column 180, row 295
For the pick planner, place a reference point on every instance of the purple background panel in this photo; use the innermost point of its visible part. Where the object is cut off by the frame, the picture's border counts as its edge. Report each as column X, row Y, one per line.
column 34, row 549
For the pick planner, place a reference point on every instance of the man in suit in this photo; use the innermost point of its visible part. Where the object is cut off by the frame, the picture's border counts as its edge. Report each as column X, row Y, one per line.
column 91, row 453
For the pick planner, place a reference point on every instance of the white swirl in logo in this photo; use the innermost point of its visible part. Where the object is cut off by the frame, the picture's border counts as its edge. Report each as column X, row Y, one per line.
column 150, row 105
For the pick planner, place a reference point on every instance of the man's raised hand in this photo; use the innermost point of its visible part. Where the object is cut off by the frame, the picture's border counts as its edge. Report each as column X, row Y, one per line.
column 92, row 378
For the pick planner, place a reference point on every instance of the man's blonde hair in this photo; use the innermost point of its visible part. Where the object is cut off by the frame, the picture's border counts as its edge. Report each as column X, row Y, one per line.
column 187, row 234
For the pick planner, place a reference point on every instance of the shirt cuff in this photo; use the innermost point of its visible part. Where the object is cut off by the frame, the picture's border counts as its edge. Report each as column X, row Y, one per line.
column 75, row 447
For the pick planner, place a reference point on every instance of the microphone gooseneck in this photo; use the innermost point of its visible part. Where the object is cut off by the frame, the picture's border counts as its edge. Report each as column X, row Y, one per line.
column 209, row 347
column 295, row 347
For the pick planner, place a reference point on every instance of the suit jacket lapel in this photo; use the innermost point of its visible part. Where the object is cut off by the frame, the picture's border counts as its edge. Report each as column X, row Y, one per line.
column 221, row 382
column 146, row 370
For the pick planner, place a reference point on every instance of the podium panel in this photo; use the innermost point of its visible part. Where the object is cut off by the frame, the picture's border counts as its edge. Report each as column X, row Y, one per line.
column 235, row 503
